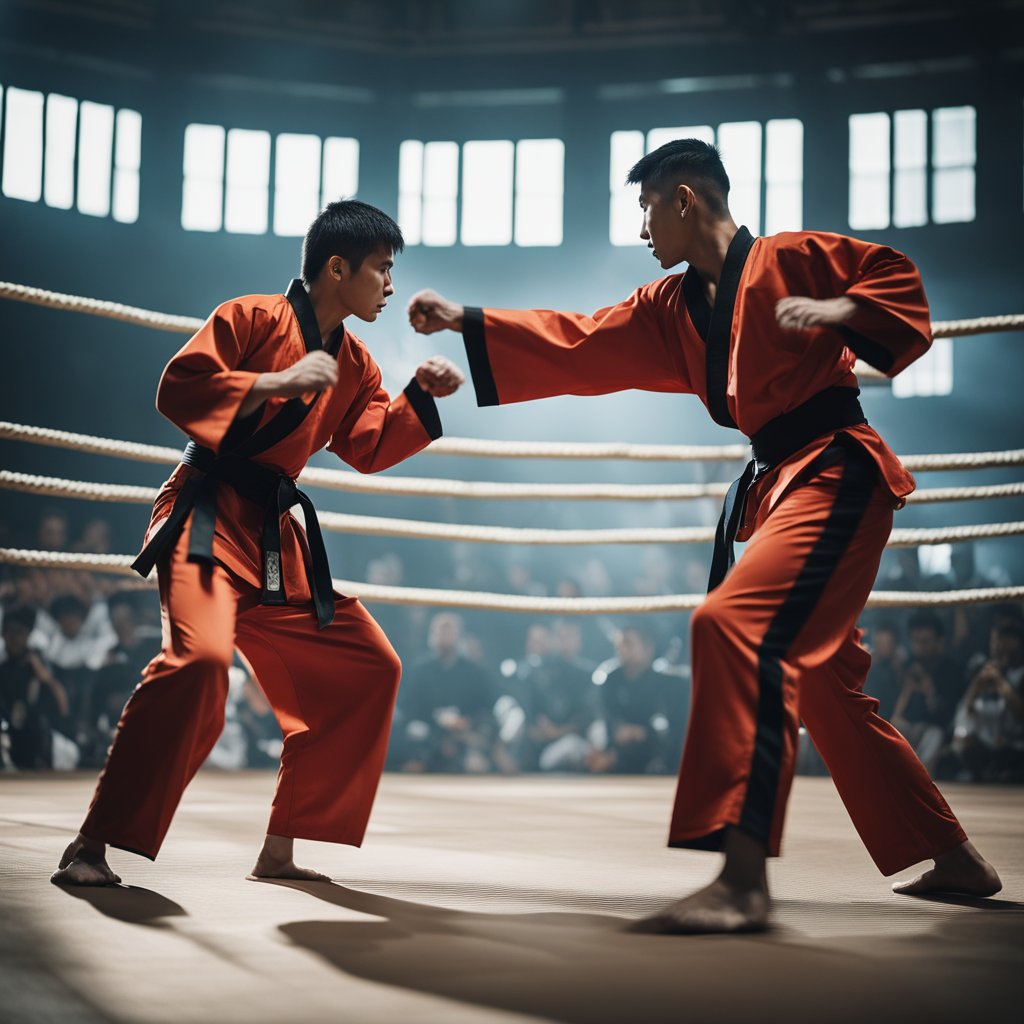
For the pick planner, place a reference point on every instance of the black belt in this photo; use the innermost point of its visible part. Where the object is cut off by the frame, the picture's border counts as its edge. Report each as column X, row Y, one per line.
column 275, row 491
column 828, row 411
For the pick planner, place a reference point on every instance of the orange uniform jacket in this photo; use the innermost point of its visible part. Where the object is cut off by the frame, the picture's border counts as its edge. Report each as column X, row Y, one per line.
column 657, row 340
column 206, row 382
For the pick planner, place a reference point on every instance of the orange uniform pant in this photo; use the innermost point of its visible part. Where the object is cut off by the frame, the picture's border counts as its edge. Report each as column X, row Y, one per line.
column 777, row 642
column 332, row 691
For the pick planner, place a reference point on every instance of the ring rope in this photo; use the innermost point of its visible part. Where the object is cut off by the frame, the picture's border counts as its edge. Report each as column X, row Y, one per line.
column 189, row 324
column 345, row 480
column 31, row 483
column 380, row 526
column 377, row 593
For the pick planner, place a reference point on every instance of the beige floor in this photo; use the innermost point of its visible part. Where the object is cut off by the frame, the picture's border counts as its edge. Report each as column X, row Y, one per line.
column 491, row 900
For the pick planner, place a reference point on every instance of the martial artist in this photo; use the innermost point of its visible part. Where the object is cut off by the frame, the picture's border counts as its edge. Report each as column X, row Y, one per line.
column 266, row 382
column 765, row 331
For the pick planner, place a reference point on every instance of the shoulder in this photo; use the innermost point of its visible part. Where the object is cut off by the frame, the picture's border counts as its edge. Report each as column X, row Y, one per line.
column 663, row 290
column 357, row 355
column 259, row 314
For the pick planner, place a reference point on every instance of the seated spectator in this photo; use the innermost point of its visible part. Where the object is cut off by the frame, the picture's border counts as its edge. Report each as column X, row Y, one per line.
column 115, row 680
column 53, row 531
column 931, row 689
column 644, row 711
column 446, row 721
column 557, row 700
column 885, row 677
column 80, row 636
column 988, row 737
column 31, row 698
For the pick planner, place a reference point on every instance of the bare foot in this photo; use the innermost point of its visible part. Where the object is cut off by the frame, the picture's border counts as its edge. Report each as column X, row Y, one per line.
column 84, row 863
column 962, row 872
column 720, row 908
column 276, row 860
column 266, row 868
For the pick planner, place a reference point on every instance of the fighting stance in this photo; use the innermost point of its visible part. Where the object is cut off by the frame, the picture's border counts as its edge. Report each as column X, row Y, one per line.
column 765, row 331
column 266, row 382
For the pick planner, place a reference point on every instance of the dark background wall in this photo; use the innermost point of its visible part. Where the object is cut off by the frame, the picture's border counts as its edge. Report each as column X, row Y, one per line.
column 383, row 73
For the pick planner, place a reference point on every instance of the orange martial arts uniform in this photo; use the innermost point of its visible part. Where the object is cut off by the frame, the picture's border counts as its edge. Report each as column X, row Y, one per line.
column 246, row 582
column 776, row 639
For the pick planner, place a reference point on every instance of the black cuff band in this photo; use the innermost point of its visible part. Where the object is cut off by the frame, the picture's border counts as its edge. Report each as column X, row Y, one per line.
column 425, row 407
column 870, row 351
column 476, row 351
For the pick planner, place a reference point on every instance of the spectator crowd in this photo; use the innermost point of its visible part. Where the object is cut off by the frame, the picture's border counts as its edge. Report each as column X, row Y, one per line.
column 489, row 692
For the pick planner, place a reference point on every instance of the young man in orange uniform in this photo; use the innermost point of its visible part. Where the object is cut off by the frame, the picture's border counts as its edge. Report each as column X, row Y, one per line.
column 765, row 331
column 266, row 382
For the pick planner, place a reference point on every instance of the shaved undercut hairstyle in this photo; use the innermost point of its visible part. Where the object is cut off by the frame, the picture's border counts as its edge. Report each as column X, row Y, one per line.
column 350, row 229
column 684, row 162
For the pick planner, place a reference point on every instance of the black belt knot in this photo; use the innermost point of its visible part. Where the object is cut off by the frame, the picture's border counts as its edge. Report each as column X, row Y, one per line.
column 828, row 411
column 273, row 490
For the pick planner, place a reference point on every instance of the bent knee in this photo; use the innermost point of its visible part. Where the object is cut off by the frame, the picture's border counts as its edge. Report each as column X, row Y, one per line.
column 208, row 658
column 710, row 617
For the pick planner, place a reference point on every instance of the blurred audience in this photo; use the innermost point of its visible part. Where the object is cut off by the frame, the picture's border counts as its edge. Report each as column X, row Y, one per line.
column 582, row 694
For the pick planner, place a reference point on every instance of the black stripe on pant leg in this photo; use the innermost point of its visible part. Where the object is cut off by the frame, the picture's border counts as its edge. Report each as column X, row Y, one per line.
column 856, row 486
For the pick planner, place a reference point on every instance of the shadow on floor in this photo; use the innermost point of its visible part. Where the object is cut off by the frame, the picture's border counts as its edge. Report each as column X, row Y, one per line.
column 586, row 968
column 129, row 903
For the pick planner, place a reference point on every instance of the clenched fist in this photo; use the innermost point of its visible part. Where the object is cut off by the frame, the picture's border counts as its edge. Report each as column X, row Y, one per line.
column 798, row 313
column 430, row 312
column 439, row 377
column 315, row 371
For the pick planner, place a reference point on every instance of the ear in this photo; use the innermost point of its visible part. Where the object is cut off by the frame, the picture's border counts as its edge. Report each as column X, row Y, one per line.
column 339, row 269
column 685, row 198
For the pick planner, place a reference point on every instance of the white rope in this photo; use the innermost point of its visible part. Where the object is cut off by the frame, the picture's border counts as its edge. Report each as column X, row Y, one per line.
column 99, row 307
column 977, row 325
column 379, row 526
column 426, row 487
column 188, row 324
column 30, row 483
column 87, row 443
column 375, row 593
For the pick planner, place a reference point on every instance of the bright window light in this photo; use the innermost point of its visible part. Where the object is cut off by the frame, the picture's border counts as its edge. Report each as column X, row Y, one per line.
column 869, row 171
column 625, row 216
column 95, row 152
column 910, row 168
column 248, row 181
column 296, row 183
column 740, row 145
column 440, row 192
column 540, row 175
column 23, row 145
column 410, row 191
column 657, row 137
column 341, row 170
column 784, row 175
column 127, row 160
column 932, row 374
column 487, row 192
column 202, row 205
column 953, row 160
column 59, row 171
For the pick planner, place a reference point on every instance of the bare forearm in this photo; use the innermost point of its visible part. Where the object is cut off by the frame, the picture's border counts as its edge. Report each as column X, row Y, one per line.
column 266, row 385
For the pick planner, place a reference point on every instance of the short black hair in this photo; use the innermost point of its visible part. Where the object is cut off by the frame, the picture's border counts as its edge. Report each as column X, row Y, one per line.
column 68, row 604
column 684, row 160
column 23, row 615
column 350, row 229
column 925, row 619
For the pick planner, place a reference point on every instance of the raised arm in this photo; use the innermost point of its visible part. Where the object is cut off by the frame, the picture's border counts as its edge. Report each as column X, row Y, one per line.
column 379, row 431
column 871, row 293
column 519, row 355
column 203, row 390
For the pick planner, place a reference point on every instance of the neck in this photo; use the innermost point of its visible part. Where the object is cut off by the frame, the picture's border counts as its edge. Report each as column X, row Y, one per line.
column 328, row 308
column 710, row 248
